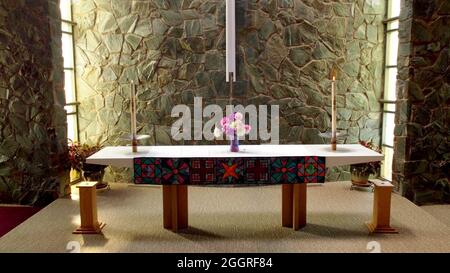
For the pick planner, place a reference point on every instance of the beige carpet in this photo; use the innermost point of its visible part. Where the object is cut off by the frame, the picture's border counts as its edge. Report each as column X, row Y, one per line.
column 440, row 212
column 230, row 220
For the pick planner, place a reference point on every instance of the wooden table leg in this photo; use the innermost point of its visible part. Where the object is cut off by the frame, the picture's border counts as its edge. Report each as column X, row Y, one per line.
column 167, row 206
column 182, row 206
column 175, row 207
column 287, row 205
column 88, row 209
column 299, row 204
column 381, row 208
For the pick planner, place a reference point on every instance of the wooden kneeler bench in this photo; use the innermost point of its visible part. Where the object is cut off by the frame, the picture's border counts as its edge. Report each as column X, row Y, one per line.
column 88, row 209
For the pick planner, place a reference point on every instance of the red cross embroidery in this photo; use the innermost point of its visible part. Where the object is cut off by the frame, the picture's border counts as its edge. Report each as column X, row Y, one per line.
column 230, row 171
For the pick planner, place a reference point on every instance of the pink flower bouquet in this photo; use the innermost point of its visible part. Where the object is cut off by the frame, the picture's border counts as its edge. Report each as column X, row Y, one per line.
column 232, row 126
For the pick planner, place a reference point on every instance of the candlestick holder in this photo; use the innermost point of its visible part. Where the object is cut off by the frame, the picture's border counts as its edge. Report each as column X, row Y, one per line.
column 333, row 140
column 333, row 110
column 333, row 143
column 134, row 140
column 134, row 137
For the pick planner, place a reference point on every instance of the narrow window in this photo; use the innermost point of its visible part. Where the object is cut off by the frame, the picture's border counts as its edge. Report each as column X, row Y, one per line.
column 71, row 107
column 390, row 84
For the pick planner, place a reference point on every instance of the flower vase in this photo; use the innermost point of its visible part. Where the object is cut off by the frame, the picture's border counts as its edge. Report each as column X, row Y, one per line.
column 234, row 144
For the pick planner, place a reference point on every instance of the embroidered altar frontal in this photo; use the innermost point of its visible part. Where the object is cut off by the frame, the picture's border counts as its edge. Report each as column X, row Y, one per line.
column 204, row 171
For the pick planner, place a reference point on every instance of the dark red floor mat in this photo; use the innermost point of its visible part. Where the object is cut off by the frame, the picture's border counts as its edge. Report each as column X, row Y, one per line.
column 11, row 217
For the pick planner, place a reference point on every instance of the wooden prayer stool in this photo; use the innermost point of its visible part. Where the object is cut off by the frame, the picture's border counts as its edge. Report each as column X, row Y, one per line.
column 293, row 208
column 88, row 209
column 381, row 208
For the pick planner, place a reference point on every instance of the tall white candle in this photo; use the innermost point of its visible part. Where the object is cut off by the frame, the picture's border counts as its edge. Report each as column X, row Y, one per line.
column 333, row 106
column 230, row 30
column 333, row 110
column 133, row 111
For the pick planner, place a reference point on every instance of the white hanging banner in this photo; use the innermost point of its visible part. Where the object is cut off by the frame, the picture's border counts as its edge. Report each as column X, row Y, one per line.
column 230, row 28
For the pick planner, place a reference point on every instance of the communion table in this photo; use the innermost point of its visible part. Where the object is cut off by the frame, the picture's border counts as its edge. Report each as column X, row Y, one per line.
column 176, row 167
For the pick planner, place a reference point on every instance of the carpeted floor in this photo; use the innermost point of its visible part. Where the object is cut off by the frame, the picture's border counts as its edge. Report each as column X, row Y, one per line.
column 440, row 212
column 230, row 220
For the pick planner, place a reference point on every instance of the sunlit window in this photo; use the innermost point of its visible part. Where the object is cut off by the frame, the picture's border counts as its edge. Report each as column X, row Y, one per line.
column 69, row 69
column 390, row 84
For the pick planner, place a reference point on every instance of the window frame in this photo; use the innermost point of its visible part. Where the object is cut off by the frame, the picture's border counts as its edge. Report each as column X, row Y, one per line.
column 71, row 107
column 391, row 32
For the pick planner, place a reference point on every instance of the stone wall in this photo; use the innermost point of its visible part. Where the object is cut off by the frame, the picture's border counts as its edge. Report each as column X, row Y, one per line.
column 32, row 116
column 422, row 132
column 175, row 50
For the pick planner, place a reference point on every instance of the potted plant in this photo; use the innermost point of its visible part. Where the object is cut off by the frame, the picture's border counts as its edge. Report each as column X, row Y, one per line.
column 360, row 172
column 90, row 172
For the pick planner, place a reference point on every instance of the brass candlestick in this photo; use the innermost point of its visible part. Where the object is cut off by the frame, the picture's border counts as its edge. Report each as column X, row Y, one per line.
column 134, row 142
column 231, row 88
column 133, row 136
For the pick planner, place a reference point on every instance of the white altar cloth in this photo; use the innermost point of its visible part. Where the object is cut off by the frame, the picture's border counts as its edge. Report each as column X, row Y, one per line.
column 346, row 154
